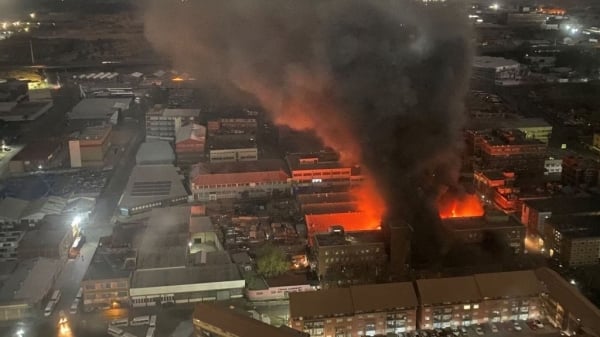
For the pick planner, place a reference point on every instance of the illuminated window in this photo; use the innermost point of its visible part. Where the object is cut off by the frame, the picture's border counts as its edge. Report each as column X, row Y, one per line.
column 475, row 306
column 467, row 307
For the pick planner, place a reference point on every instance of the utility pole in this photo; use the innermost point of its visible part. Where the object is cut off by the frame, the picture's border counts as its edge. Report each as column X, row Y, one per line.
column 31, row 50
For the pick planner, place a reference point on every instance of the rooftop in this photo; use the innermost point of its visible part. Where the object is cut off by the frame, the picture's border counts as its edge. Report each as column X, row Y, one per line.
column 94, row 132
column 236, row 323
column 98, row 108
column 11, row 209
column 150, row 183
column 387, row 296
column 38, row 150
column 311, row 161
column 185, row 275
column 333, row 301
column 200, row 224
column 158, row 110
column 25, row 111
column 47, row 237
column 191, row 131
column 110, row 265
column 483, row 222
column 30, row 281
column 508, row 284
column 448, row 290
column 155, row 153
column 493, row 62
column 576, row 226
column 351, row 221
column 566, row 205
column 225, row 142
column 349, row 238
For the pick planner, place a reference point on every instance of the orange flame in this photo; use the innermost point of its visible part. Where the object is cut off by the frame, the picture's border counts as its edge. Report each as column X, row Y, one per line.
column 452, row 206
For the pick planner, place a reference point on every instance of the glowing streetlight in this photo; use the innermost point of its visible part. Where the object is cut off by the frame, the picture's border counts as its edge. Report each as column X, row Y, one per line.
column 573, row 282
column 32, row 15
column 495, row 7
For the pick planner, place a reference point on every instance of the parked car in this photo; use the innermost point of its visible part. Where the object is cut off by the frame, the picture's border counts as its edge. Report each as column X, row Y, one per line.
column 517, row 326
column 479, row 331
column 538, row 323
column 494, row 328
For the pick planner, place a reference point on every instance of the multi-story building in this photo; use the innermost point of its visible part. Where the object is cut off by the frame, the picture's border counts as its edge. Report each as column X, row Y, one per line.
column 89, row 147
column 580, row 171
column 163, row 124
column 37, row 156
column 349, row 257
column 366, row 310
column 214, row 181
column 213, row 320
column 508, row 149
column 496, row 69
column 152, row 186
column 9, row 243
column 565, row 307
column 106, row 281
column 318, row 168
column 573, row 240
column 468, row 300
column 534, row 213
column 231, row 148
column 233, row 126
column 190, row 141
column 492, row 227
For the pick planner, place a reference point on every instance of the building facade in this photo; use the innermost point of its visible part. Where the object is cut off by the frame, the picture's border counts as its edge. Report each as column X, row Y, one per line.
column 573, row 240
column 106, row 282
column 189, row 144
column 90, row 146
column 319, row 168
column 344, row 258
column 163, row 124
column 366, row 310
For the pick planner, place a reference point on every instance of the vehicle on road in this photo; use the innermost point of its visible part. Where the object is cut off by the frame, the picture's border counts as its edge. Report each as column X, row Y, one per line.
column 517, row 326
column 76, row 247
column 140, row 320
column 79, row 294
column 479, row 331
column 120, row 322
column 49, row 308
column 150, row 331
column 114, row 331
column 538, row 323
column 152, row 321
column 74, row 306
column 62, row 318
column 494, row 328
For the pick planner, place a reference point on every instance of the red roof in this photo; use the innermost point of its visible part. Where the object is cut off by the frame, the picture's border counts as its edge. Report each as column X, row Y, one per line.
column 240, row 178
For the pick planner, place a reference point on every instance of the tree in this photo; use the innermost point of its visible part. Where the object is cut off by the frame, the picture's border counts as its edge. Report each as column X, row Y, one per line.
column 271, row 261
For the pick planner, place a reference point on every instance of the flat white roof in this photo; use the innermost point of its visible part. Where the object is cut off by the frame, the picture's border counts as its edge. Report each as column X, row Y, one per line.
column 150, row 183
column 158, row 152
column 98, row 108
column 493, row 62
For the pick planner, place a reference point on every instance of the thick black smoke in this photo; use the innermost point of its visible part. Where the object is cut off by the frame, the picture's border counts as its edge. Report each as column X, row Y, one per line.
column 382, row 81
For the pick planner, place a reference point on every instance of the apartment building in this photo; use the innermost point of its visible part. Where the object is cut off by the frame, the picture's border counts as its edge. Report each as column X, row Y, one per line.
column 365, row 310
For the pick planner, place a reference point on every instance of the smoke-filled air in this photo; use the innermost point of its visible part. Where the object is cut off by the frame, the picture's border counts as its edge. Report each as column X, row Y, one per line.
column 380, row 81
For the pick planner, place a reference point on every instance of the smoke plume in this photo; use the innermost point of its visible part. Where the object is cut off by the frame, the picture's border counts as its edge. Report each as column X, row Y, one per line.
column 381, row 81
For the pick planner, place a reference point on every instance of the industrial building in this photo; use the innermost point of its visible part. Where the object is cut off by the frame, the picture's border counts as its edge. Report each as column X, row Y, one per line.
column 89, row 147
column 318, row 168
column 37, row 156
column 344, row 258
column 496, row 69
column 152, row 186
column 23, row 111
column 365, row 310
column 13, row 90
column 534, row 213
column 52, row 239
column 106, row 281
column 190, row 142
column 232, row 125
column 494, row 227
column 155, row 153
column 163, row 123
column 17, row 212
column 573, row 240
column 96, row 111
column 231, row 148
column 214, row 320
column 25, row 287
column 168, row 272
column 249, row 179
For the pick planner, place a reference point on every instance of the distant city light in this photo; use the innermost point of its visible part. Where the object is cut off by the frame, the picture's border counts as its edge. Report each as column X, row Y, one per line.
column 32, row 15
column 573, row 282
column 495, row 7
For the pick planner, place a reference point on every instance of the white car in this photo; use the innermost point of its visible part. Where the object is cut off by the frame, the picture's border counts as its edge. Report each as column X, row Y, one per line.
column 479, row 331
column 517, row 326
column 538, row 323
column 494, row 328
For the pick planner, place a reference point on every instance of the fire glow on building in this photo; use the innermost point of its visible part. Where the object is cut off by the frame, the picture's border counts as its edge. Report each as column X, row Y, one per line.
column 451, row 205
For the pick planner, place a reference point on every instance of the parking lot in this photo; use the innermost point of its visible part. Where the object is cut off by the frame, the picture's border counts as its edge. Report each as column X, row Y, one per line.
column 505, row 329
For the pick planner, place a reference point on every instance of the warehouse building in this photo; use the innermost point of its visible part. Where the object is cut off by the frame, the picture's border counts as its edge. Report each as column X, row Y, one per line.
column 89, row 147
column 37, row 156
column 155, row 153
column 190, row 141
column 96, row 111
column 163, row 124
column 152, row 186
column 167, row 271
column 250, row 179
